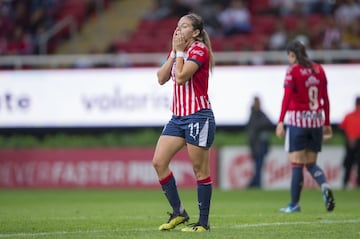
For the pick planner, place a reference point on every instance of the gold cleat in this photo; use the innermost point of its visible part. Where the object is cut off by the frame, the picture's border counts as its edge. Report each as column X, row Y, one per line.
column 174, row 220
column 196, row 227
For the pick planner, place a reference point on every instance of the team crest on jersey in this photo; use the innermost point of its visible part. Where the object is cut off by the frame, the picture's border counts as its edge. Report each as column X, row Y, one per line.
column 311, row 81
column 198, row 52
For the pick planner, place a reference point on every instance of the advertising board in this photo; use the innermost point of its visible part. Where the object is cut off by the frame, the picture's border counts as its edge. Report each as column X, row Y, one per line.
column 91, row 168
column 131, row 97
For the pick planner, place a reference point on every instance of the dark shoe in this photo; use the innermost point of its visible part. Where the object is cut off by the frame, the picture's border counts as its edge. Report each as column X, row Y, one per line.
column 328, row 199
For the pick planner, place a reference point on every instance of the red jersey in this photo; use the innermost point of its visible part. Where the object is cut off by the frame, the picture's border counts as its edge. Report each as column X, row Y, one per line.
column 192, row 96
column 351, row 124
column 305, row 100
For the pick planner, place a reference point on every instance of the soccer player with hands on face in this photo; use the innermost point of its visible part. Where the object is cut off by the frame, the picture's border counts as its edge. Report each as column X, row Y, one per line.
column 192, row 124
column 307, row 107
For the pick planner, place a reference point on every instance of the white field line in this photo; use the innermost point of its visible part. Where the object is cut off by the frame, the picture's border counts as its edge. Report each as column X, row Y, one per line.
column 254, row 225
column 293, row 223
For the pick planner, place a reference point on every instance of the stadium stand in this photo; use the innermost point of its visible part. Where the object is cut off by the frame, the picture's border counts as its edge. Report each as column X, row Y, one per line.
column 24, row 22
column 263, row 21
column 146, row 35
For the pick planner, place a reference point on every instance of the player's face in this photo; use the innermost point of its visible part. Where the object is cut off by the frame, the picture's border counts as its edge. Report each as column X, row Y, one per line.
column 186, row 28
column 291, row 57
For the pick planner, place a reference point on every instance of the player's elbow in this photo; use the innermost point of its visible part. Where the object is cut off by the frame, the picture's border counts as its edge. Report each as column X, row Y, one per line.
column 162, row 79
column 181, row 79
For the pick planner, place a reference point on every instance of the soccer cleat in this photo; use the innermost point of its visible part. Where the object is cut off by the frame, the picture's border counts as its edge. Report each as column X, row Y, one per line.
column 328, row 199
column 291, row 209
column 196, row 227
column 174, row 220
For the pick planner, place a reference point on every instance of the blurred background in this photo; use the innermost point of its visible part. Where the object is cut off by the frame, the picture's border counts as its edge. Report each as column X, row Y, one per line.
column 123, row 33
column 75, row 74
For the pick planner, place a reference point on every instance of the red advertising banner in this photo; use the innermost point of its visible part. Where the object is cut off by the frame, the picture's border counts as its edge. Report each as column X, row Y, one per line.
column 93, row 168
column 236, row 168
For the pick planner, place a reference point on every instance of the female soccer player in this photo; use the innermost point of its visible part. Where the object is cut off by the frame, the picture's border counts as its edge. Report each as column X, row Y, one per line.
column 307, row 106
column 192, row 124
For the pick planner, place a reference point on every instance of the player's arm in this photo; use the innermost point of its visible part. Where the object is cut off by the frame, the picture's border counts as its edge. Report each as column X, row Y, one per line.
column 164, row 73
column 184, row 70
column 326, row 106
column 285, row 102
column 327, row 130
column 280, row 129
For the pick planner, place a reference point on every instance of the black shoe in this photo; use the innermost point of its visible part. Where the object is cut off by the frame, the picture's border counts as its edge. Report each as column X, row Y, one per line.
column 329, row 199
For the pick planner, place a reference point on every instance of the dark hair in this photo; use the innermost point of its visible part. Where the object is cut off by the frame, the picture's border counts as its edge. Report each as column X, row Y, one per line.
column 198, row 24
column 357, row 100
column 299, row 50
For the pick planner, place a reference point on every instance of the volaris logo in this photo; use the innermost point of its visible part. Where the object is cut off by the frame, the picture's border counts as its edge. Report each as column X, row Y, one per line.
column 129, row 101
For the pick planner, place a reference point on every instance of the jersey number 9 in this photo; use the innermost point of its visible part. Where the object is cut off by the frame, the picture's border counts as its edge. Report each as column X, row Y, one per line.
column 313, row 97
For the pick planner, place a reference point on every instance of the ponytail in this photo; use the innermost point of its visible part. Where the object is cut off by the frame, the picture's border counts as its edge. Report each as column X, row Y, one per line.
column 203, row 36
column 207, row 42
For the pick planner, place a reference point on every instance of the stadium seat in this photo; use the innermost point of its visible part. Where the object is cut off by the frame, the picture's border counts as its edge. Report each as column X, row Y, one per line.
column 264, row 24
column 258, row 6
column 290, row 22
column 314, row 21
column 75, row 9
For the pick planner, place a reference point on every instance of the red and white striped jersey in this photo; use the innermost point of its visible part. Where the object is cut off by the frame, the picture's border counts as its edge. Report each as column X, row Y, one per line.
column 305, row 101
column 192, row 96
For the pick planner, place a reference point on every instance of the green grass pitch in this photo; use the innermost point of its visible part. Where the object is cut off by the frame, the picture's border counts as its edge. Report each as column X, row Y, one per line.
column 138, row 213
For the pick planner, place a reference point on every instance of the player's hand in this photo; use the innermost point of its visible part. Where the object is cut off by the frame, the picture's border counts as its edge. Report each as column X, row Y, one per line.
column 173, row 39
column 179, row 42
column 280, row 130
column 327, row 132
